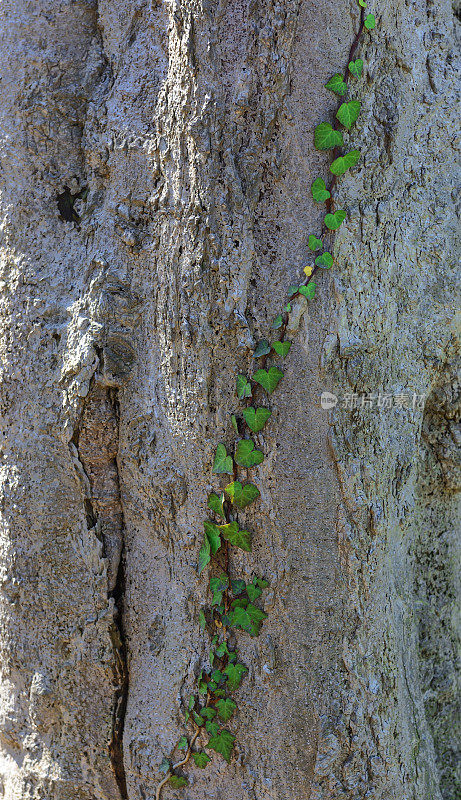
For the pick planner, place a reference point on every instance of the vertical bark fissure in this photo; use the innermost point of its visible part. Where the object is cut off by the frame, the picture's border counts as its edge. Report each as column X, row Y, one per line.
column 96, row 518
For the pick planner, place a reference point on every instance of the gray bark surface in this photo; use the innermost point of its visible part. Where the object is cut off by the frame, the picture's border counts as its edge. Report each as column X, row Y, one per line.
column 155, row 168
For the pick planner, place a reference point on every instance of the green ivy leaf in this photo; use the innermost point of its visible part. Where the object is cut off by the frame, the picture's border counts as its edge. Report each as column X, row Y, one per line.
column 325, row 260
column 201, row 759
column 326, row 138
column 337, row 85
column 177, row 781
column 293, row 289
column 268, row 379
column 191, row 702
column 278, row 322
column 198, row 719
column 212, row 727
column 223, row 743
column 238, row 586
column 343, row 163
column 308, row 291
column 208, row 713
column 240, row 618
column 256, row 418
column 243, row 387
column 262, row 583
column 242, row 496
column 222, row 462
column 235, row 673
column 217, row 587
column 226, row 708
column 254, row 591
column 257, row 616
column 183, row 744
column 263, row 348
column 319, row 191
column 356, row 67
column 215, row 502
column 246, row 455
column 348, row 113
column 202, row 620
column 362, row 3
column 370, row 22
column 222, row 650
column 281, row 348
column 333, row 221
column 204, row 556
column 212, row 534
column 314, row 243
column 234, row 423
column 234, row 536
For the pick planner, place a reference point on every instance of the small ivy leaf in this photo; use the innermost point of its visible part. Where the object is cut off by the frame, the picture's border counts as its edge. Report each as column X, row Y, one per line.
column 356, row 67
column 240, row 619
column 235, row 673
column 343, row 163
column 278, row 322
column 212, row 534
column 362, row 3
column 202, row 620
column 257, row 616
column 238, row 586
column 268, row 379
column 183, row 744
column 215, row 502
column 333, row 221
column 212, row 727
column 243, row 387
column 223, row 743
column 281, row 348
column 242, row 496
column 164, row 766
column 314, row 243
column 204, row 556
column 216, row 676
column 234, row 423
column 241, row 602
column 370, row 22
column 325, row 260
column 217, row 587
column 201, row 759
column 246, row 455
column 211, row 656
column 308, row 291
column 234, row 536
column 348, row 113
column 226, row 708
column 254, row 591
column 198, row 719
column 288, row 307
column 208, row 713
column 326, row 138
column 263, row 348
column 319, row 191
column 337, row 85
column 222, row 650
column 262, row 583
column 292, row 291
column 191, row 703
column 256, row 418
column 222, row 462
column 176, row 781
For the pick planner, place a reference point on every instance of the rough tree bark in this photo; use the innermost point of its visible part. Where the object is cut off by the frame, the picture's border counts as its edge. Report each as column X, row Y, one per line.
column 156, row 159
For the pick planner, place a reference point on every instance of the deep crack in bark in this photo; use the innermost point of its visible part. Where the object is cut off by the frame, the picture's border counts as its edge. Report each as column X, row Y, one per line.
column 94, row 448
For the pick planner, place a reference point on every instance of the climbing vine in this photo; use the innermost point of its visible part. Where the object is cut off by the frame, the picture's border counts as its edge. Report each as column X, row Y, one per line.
column 233, row 603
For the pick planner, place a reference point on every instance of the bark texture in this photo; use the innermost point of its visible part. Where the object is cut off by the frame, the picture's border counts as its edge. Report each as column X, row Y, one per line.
column 156, row 159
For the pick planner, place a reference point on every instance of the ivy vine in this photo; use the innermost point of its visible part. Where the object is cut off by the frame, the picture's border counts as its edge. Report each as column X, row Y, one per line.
column 234, row 604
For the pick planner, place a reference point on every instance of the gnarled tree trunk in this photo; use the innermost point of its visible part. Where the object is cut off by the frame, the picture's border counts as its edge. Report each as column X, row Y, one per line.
column 156, row 162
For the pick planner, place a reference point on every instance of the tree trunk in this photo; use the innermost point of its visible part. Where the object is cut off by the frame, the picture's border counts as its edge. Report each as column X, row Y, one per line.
column 156, row 164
